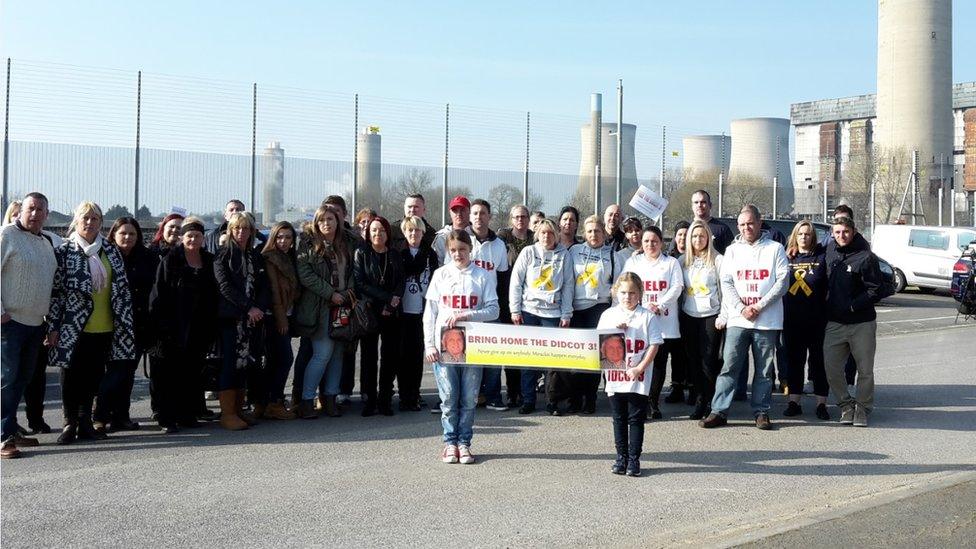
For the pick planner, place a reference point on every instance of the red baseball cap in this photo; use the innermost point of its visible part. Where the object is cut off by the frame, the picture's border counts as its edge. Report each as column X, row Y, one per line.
column 459, row 202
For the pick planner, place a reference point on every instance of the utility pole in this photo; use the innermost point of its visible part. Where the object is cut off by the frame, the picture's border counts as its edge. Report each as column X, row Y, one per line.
column 447, row 140
column 135, row 205
column 355, row 152
column 525, row 173
column 254, row 146
column 620, row 140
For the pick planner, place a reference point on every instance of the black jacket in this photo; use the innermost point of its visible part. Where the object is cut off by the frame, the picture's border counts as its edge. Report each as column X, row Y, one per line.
column 721, row 235
column 854, row 283
column 140, row 270
column 211, row 240
column 378, row 278
column 183, row 303
column 233, row 303
column 617, row 240
column 399, row 240
column 805, row 301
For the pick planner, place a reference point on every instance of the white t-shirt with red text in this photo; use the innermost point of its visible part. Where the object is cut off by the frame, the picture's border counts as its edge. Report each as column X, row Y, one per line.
column 453, row 290
column 643, row 330
column 755, row 274
column 663, row 284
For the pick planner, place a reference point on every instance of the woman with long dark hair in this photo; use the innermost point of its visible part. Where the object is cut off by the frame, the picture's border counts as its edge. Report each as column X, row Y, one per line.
column 281, row 262
column 90, row 319
column 378, row 275
column 244, row 297
column 325, row 275
column 183, row 312
column 115, row 393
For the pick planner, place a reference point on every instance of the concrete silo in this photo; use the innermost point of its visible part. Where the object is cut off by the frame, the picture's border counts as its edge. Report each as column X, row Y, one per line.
column 914, row 102
column 760, row 152
column 368, row 165
column 706, row 154
column 273, row 183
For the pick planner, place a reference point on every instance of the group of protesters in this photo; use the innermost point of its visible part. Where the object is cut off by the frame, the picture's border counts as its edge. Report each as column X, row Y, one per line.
column 219, row 310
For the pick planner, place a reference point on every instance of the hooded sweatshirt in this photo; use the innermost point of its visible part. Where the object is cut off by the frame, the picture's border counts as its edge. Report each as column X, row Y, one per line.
column 453, row 290
column 542, row 282
column 703, row 290
column 593, row 275
column 755, row 274
column 663, row 284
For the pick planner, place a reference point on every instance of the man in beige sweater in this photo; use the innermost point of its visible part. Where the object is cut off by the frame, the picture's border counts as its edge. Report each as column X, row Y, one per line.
column 27, row 267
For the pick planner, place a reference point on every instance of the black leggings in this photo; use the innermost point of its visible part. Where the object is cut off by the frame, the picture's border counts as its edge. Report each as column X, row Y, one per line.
column 804, row 347
column 386, row 355
column 674, row 348
column 629, row 415
column 703, row 345
column 80, row 380
column 585, row 384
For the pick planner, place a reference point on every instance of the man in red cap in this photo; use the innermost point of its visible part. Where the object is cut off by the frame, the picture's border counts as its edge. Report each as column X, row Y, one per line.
column 460, row 219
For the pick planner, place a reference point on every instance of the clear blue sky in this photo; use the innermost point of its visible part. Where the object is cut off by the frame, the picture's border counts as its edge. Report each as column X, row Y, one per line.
column 691, row 65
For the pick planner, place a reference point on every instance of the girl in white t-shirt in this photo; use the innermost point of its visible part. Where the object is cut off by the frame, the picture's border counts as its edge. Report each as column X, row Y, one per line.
column 628, row 388
column 459, row 291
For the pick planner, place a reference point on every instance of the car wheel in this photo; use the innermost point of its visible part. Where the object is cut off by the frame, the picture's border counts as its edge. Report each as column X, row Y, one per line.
column 899, row 281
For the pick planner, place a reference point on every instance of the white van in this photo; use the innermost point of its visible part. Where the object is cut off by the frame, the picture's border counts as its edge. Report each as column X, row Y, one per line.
column 921, row 255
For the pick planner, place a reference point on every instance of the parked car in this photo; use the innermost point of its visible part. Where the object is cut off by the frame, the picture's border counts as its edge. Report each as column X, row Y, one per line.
column 784, row 226
column 961, row 271
column 922, row 255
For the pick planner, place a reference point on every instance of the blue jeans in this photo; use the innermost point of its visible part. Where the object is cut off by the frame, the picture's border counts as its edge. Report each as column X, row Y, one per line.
column 530, row 377
column 19, row 345
column 458, row 388
column 738, row 341
column 326, row 362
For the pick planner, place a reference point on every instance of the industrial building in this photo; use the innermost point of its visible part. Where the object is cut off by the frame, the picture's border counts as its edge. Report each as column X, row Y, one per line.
column 603, row 145
column 831, row 133
column 705, row 155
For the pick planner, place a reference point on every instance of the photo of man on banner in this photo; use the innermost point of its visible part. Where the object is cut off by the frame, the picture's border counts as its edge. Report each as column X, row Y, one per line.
column 453, row 345
column 613, row 352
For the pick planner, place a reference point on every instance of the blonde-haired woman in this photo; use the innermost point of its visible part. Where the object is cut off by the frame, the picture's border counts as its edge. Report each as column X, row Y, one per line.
column 90, row 319
column 244, row 297
column 541, row 294
column 805, row 318
column 13, row 210
column 700, row 265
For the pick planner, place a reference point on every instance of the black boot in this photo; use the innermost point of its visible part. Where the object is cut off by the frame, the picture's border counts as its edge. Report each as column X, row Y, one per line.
column 69, row 434
column 701, row 410
column 633, row 467
column 86, row 430
column 676, row 395
column 620, row 466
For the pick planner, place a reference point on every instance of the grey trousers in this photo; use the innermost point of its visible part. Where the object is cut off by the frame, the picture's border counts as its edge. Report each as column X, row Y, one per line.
column 859, row 340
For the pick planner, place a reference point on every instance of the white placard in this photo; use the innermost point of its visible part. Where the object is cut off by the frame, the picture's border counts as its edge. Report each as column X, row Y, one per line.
column 178, row 210
column 648, row 202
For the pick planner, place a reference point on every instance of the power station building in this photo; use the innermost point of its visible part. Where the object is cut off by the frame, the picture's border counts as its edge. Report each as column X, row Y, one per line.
column 832, row 133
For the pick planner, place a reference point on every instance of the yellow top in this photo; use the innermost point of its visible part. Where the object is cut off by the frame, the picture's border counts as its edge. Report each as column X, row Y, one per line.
column 101, row 320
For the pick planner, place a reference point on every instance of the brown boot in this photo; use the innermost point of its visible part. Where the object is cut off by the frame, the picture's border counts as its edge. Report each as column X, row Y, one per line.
column 228, row 411
column 260, row 410
column 330, row 406
column 248, row 417
column 277, row 410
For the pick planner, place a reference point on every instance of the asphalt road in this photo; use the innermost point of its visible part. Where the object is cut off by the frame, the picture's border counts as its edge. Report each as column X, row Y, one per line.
column 540, row 481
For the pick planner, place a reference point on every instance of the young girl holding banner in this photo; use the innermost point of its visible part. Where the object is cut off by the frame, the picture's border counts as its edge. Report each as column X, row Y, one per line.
column 459, row 291
column 628, row 389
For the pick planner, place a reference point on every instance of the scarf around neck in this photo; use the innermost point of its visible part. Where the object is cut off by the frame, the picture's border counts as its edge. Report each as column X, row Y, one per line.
column 99, row 275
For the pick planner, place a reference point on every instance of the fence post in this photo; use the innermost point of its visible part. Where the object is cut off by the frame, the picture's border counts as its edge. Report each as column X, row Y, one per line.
column 525, row 173
column 825, row 201
column 664, row 144
column 355, row 155
column 135, row 211
column 6, row 140
column 775, row 183
column 721, row 185
column 620, row 139
column 874, row 203
column 447, row 134
column 254, row 145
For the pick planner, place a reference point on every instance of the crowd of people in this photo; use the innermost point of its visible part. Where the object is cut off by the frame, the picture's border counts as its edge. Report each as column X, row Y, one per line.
column 219, row 310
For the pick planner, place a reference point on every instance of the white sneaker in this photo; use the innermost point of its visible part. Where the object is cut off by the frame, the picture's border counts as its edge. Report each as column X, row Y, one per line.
column 449, row 454
column 465, row 456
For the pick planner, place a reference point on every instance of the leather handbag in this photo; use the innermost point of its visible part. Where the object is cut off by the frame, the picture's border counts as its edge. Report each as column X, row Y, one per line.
column 351, row 322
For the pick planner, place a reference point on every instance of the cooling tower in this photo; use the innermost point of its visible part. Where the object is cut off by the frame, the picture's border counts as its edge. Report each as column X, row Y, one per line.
column 914, row 102
column 706, row 154
column 760, row 152
column 368, row 186
column 608, row 164
column 273, row 183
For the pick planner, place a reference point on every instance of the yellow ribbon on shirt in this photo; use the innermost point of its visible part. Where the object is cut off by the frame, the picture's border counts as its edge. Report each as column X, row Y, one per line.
column 697, row 286
column 800, row 284
column 545, row 279
column 588, row 276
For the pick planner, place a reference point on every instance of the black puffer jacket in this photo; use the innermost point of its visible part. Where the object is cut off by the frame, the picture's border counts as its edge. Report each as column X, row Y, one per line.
column 183, row 303
column 854, row 283
column 229, row 272
column 378, row 277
